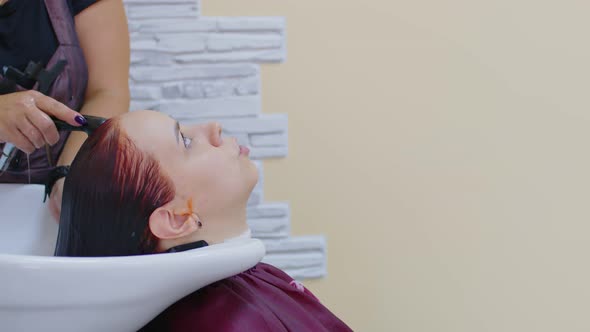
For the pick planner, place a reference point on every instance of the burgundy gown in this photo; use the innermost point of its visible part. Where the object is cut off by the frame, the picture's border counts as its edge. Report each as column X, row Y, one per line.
column 260, row 299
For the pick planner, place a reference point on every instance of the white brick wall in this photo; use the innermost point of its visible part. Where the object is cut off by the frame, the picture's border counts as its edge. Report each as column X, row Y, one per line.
column 199, row 69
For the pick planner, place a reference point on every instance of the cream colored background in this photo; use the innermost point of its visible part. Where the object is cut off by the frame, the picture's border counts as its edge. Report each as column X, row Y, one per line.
column 442, row 147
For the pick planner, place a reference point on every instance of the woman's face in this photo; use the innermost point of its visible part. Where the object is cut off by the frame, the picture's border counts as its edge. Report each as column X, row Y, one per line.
column 215, row 174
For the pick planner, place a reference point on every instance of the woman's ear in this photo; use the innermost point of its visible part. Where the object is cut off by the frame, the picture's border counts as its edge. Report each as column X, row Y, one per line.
column 167, row 224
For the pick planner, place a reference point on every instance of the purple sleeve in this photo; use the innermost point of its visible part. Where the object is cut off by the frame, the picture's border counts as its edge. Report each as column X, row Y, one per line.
column 80, row 5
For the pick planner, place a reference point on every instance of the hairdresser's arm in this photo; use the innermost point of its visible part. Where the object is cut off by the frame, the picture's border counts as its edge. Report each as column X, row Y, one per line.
column 104, row 38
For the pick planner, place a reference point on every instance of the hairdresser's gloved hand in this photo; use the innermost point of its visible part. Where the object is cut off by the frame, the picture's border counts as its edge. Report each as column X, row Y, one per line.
column 25, row 122
column 55, row 199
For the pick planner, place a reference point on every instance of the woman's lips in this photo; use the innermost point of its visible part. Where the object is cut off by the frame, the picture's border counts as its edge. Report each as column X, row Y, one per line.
column 244, row 150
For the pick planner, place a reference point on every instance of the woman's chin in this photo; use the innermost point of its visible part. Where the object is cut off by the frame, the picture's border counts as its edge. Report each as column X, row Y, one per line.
column 252, row 174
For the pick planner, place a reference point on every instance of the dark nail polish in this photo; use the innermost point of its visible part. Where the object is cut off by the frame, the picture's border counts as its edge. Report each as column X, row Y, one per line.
column 81, row 120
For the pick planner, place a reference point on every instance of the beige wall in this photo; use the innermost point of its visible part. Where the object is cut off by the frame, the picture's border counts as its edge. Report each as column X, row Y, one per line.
column 442, row 147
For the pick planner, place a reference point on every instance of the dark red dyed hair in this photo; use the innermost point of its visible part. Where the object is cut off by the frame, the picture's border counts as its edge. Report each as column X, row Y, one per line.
column 109, row 194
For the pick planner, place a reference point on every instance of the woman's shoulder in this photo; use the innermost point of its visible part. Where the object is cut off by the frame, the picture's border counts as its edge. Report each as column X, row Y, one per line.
column 276, row 277
column 265, row 269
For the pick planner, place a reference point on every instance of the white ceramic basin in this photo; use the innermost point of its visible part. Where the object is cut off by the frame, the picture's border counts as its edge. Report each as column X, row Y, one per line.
column 39, row 292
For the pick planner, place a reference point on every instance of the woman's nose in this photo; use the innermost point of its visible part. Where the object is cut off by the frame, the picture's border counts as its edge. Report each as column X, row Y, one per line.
column 208, row 132
column 214, row 133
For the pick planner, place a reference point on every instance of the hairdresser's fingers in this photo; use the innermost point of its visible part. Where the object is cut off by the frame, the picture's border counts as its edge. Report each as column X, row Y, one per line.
column 44, row 124
column 32, row 133
column 22, row 142
column 59, row 110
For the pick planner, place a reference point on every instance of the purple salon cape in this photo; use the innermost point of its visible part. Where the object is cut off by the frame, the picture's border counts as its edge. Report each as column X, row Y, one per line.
column 260, row 299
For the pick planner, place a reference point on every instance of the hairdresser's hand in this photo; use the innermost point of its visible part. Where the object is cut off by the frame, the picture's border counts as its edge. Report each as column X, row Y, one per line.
column 25, row 122
column 55, row 199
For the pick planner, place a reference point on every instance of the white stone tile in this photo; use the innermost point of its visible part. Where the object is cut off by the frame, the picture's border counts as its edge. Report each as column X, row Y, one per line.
column 233, row 42
column 145, row 92
column 269, row 227
column 256, row 197
column 188, row 110
column 248, row 86
column 168, row 73
column 268, row 210
column 151, row 59
column 194, row 90
column 267, row 23
column 266, row 123
column 138, row 12
column 268, row 152
column 143, row 44
column 162, row 26
column 261, row 140
column 172, row 90
column 181, row 43
column 218, row 88
column 296, row 260
column 307, row 243
column 257, row 56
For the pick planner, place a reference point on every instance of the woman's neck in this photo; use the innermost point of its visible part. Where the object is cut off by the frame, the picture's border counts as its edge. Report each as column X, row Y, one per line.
column 244, row 235
column 217, row 230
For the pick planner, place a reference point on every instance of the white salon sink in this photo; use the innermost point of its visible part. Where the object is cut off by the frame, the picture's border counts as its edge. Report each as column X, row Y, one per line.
column 39, row 292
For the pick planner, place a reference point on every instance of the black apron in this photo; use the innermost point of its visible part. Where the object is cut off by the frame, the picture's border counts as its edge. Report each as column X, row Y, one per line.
column 68, row 88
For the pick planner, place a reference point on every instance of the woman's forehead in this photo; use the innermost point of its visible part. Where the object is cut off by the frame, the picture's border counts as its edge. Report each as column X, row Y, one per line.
column 145, row 115
column 146, row 120
column 148, row 127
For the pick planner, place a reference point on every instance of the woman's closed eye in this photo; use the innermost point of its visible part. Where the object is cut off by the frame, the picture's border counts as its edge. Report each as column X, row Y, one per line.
column 186, row 141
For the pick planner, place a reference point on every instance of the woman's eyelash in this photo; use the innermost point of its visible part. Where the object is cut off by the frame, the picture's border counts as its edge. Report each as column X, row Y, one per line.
column 186, row 141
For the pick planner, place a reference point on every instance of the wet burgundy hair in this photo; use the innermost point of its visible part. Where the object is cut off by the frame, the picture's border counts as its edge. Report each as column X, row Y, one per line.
column 109, row 194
